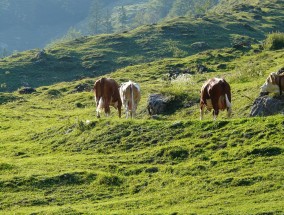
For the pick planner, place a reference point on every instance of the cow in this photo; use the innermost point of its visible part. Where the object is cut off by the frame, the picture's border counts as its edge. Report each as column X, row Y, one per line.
column 130, row 96
column 273, row 84
column 215, row 94
column 106, row 92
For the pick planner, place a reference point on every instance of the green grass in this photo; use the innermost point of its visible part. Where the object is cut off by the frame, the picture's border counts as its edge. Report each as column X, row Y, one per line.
column 144, row 166
column 54, row 162
column 56, row 157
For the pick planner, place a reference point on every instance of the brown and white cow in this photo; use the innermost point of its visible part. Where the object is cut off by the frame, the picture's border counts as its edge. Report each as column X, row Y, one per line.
column 130, row 96
column 107, row 94
column 216, row 95
column 273, row 84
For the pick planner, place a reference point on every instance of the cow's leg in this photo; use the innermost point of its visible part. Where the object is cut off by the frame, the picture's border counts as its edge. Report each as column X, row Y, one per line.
column 127, row 110
column 202, row 106
column 133, row 112
column 215, row 114
column 215, row 110
column 107, row 108
column 119, row 109
column 98, row 114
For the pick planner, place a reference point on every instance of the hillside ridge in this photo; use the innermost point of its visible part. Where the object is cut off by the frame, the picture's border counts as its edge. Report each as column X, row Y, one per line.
column 97, row 55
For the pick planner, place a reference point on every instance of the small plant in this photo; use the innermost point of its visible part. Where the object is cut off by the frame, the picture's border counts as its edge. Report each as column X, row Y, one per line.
column 180, row 84
column 109, row 180
column 274, row 41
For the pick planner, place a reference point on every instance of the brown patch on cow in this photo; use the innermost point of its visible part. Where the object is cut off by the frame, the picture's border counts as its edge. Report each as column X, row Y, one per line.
column 107, row 94
column 216, row 95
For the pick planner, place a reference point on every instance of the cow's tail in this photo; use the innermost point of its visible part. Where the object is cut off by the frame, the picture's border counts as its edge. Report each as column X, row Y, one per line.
column 132, row 97
column 226, row 88
column 101, row 105
column 228, row 103
column 229, row 106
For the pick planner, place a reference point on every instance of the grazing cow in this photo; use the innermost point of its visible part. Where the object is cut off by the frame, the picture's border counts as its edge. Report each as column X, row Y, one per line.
column 130, row 96
column 216, row 95
column 273, row 84
column 107, row 94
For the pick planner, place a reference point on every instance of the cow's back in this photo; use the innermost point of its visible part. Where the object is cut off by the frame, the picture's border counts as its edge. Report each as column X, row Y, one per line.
column 130, row 88
column 109, row 89
column 213, row 93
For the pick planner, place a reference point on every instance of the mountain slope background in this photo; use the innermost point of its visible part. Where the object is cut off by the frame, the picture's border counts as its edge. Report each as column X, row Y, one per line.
column 92, row 56
column 34, row 24
column 57, row 158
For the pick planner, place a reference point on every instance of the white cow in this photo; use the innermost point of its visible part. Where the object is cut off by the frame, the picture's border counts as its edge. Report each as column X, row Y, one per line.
column 273, row 84
column 130, row 96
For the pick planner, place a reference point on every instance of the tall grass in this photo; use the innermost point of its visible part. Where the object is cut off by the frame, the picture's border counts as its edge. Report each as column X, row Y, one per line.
column 180, row 87
column 274, row 41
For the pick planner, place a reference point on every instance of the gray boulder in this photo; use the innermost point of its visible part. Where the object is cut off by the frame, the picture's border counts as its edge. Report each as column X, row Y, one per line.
column 157, row 104
column 266, row 106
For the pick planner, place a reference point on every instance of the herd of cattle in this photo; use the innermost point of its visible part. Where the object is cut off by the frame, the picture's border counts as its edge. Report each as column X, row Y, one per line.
column 215, row 94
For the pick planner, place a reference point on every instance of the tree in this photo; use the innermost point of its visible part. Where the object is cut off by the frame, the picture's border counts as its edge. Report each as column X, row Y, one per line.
column 122, row 18
column 157, row 10
column 95, row 19
column 72, row 34
column 107, row 22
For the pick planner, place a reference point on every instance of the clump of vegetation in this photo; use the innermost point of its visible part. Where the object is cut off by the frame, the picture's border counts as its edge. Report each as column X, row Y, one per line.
column 274, row 41
column 53, row 93
column 7, row 97
column 179, row 86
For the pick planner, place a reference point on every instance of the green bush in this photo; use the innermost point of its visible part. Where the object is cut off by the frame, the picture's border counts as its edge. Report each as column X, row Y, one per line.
column 274, row 41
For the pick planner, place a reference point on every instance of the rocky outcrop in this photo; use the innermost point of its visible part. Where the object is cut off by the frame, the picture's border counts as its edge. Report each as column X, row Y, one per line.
column 266, row 106
column 157, row 104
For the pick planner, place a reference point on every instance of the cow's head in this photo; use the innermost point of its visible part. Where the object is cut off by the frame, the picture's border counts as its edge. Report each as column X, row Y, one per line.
column 271, row 84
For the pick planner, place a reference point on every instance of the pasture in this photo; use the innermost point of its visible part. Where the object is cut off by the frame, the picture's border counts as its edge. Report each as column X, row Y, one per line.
column 56, row 157
column 54, row 162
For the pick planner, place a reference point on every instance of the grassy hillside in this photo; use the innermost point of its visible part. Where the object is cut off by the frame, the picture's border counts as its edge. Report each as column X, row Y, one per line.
column 54, row 162
column 144, row 167
column 56, row 157
column 97, row 55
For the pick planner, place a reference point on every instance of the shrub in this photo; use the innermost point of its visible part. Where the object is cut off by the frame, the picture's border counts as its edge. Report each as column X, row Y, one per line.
column 109, row 180
column 177, row 153
column 53, row 93
column 274, row 41
column 179, row 86
column 4, row 98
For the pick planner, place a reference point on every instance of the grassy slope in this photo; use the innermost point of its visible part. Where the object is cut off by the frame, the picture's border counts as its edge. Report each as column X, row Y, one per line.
column 93, row 56
column 52, row 162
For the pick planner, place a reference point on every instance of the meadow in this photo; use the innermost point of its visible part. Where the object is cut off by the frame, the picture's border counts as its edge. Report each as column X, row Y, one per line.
column 54, row 162
column 56, row 157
